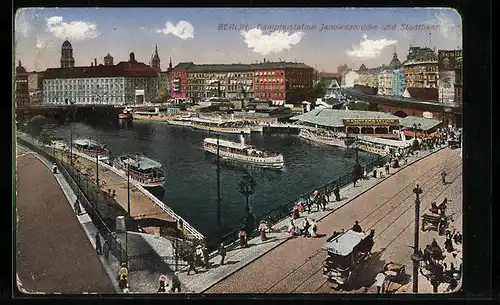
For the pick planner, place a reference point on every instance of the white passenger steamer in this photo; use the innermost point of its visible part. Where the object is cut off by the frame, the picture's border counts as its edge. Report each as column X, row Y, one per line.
column 184, row 122
column 326, row 137
column 92, row 149
column 243, row 153
column 237, row 127
column 145, row 171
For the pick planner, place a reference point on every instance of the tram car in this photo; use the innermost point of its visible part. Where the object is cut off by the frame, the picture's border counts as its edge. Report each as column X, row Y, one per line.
column 348, row 253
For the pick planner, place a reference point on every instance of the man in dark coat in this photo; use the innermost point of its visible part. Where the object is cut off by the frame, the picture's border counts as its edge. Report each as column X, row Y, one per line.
column 357, row 227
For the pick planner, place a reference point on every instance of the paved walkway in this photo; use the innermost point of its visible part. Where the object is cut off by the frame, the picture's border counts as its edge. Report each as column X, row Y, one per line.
column 296, row 265
column 53, row 254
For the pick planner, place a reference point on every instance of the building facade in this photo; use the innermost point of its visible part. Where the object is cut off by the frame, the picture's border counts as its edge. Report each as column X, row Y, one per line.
column 35, row 87
column 459, row 82
column 398, row 82
column 178, row 80
column 283, row 82
column 272, row 81
column 21, row 90
column 128, row 82
column 447, row 68
column 368, row 77
column 165, row 82
column 385, row 82
column 421, row 68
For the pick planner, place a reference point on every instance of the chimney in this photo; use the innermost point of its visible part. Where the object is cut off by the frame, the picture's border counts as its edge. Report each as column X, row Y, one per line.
column 91, row 64
column 264, row 60
column 95, row 62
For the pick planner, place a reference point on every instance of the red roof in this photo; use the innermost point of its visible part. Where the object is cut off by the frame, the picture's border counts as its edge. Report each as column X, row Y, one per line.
column 123, row 69
column 424, row 94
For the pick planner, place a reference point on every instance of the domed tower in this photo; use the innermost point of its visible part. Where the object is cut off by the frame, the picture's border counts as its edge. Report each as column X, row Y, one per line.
column 67, row 59
column 108, row 60
column 155, row 60
column 132, row 58
column 395, row 63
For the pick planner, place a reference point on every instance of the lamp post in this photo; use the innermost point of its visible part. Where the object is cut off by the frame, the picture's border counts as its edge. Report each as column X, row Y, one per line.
column 219, row 223
column 416, row 257
column 128, row 211
column 72, row 103
column 97, row 169
column 247, row 187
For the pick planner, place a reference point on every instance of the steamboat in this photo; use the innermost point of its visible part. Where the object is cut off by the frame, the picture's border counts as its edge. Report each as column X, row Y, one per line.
column 243, row 153
column 92, row 149
column 185, row 122
column 143, row 170
column 126, row 114
column 326, row 137
column 237, row 127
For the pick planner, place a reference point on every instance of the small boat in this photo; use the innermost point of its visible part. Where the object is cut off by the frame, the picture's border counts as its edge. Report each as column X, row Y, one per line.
column 326, row 138
column 126, row 114
column 244, row 153
column 145, row 171
column 231, row 126
column 92, row 149
column 180, row 122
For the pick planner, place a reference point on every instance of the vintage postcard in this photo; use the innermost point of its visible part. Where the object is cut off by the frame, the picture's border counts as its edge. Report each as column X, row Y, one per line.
column 212, row 151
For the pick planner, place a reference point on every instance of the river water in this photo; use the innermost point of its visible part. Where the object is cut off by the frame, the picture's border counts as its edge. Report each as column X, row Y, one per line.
column 190, row 172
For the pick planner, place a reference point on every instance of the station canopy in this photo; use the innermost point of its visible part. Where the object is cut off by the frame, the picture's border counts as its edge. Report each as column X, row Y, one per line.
column 425, row 123
column 342, row 118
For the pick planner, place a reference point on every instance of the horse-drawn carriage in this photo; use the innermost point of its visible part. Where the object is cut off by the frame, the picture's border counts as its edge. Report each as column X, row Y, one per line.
column 434, row 221
column 348, row 252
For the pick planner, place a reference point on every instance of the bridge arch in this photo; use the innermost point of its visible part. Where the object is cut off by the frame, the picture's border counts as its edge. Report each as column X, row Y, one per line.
column 401, row 114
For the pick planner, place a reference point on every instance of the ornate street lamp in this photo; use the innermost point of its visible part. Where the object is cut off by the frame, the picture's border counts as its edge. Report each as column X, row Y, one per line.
column 417, row 256
column 247, row 187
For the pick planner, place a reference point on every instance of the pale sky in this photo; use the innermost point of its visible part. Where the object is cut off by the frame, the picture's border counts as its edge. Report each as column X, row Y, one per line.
column 192, row 34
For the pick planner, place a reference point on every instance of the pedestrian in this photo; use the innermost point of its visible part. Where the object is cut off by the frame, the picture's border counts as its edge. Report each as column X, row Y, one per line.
column 336, row 191
column 324, row 202
column 387, row 169
column 314, row 228
column 222, row 253
column 318, row 203
column 190, row 259
column 355, row 180
column 206, row 262
column 54, row 168
column 356, row 227
column 199, row 256
column 379, row 282
column 98, row 247
column 443, row 177
column 164, row 286
column 76, row 207
column 105, row 249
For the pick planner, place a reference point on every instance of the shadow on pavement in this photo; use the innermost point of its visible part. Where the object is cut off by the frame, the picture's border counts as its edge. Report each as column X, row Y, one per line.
column 225, row 263
column 365, row 275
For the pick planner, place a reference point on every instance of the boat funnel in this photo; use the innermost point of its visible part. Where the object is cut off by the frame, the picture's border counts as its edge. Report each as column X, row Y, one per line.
column 242, row 138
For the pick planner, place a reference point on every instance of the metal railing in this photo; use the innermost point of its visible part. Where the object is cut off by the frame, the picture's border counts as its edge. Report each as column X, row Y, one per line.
column 91, row 205
column 278, row 213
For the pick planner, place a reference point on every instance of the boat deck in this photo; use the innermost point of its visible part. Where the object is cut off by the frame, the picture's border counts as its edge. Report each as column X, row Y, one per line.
column 141, row 206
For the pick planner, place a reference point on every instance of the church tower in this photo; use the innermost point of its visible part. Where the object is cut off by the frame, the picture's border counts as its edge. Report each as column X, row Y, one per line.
column 67, row 59
column 155, row 60
column 108, row 60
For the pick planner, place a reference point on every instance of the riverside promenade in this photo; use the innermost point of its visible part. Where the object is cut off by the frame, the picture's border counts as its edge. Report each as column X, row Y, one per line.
column 53, row 253
column 144, row 206
column 295, row 266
